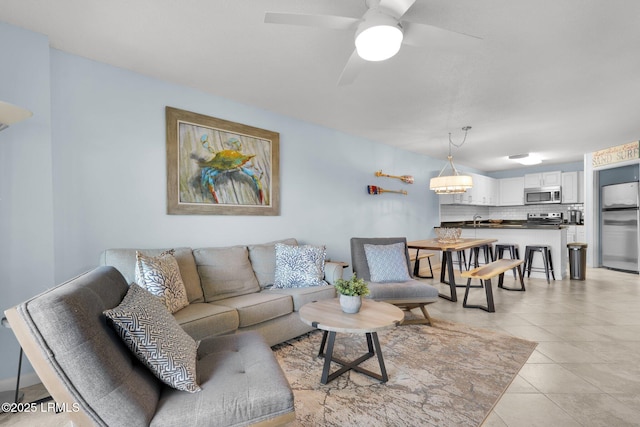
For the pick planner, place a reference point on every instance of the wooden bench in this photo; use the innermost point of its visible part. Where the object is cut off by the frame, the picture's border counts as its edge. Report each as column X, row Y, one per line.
column 415, row 257
column 485, row 274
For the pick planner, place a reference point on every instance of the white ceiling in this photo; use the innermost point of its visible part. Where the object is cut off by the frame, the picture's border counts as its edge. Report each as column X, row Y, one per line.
column 554, row 77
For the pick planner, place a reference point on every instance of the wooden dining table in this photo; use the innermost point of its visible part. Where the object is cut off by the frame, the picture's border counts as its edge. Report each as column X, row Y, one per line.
column 448, row 249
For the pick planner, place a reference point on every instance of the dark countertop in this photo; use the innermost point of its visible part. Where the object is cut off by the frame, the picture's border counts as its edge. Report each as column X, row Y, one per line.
column 510, row 225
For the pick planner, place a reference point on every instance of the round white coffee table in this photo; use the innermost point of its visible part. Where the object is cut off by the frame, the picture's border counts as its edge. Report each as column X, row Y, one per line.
column 373, row 316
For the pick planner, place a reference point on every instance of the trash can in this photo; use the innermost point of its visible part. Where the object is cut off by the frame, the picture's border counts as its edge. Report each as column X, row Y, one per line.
column 577, row 260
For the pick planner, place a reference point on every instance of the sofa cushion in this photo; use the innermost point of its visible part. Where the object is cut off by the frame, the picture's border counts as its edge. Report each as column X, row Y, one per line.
column 203, row 319
column 161, row 277
column 259, row 307
column 241, row 382
column 125, row 261
column 387, row 263
column 299, row 266
column 225, row 272
column 301, row 296
column 263, row 260
column 156, row 339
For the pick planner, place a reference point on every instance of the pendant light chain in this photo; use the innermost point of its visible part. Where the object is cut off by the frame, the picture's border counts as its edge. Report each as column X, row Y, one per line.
column 454, row 183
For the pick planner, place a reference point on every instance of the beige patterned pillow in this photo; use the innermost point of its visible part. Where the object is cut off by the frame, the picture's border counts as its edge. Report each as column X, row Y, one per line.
column 161, row 277
column 155, row 337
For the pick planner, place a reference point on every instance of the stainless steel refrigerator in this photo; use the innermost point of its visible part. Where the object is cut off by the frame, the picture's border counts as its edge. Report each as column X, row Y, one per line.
column 619, row 226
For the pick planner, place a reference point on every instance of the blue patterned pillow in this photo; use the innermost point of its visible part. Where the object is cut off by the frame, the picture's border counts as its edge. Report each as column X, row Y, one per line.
column 153, row 335
column 299, row 266
column 387, row 263
column 161, row 276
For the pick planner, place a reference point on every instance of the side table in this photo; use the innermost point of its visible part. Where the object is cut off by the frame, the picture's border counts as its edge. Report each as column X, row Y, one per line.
column 373, row 316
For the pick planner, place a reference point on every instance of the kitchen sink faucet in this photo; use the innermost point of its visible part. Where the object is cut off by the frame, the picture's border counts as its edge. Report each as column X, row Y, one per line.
column 476, row 217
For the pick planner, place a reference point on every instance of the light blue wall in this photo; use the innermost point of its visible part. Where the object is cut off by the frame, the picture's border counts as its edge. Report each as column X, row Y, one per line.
column 26, row 206
column 106, row 152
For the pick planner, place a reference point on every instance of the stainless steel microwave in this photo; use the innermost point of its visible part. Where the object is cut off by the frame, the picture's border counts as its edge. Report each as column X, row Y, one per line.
column 542, row 195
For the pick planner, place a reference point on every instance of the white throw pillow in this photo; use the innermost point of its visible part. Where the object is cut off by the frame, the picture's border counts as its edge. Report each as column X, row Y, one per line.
column 156, row 339
column 387, row 263
column 161, row 276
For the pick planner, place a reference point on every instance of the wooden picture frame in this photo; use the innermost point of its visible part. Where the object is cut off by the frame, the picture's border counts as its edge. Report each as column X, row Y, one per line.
column 218, row 167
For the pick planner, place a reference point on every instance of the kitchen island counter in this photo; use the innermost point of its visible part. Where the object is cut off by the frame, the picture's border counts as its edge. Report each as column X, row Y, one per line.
column 555, row 236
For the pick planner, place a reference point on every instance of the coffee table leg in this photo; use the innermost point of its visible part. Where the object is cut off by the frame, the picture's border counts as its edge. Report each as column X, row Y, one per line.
column 328, row 356
column 323, row 343
column 376, row 343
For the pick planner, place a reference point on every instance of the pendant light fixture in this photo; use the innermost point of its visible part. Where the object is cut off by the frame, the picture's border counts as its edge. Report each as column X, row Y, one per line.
column 454, row 183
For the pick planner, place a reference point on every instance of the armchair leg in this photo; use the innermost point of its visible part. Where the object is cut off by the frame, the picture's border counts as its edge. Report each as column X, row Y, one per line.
column 420, row 321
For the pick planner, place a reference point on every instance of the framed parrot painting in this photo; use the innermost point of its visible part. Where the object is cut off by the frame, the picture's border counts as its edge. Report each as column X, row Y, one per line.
column 219, row 167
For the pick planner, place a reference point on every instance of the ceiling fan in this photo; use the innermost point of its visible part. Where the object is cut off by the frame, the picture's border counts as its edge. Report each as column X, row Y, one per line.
column 379, row 33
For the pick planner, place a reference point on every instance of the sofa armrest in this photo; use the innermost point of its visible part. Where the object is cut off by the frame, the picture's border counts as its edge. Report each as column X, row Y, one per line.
column 333, row 271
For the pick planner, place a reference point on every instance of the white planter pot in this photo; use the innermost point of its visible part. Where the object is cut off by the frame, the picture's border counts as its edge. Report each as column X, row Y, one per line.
column 350, row 304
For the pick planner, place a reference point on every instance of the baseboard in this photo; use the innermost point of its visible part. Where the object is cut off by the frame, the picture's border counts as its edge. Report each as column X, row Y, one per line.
column 26, row 380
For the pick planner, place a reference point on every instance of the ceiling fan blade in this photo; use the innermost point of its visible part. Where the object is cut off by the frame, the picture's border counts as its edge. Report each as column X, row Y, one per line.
column 397, row 7
column 321, row 21
column 351, row 69
column 420, row 35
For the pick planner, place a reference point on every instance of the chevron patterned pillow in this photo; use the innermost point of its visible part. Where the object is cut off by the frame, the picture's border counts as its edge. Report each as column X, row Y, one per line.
column 161, row 276
column 387, row 263
column 154, row 336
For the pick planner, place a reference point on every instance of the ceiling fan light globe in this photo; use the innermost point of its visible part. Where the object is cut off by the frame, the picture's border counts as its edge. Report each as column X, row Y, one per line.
column 379, row 42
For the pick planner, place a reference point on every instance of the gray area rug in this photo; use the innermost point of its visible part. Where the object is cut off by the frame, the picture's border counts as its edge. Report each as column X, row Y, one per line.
column 448, row 374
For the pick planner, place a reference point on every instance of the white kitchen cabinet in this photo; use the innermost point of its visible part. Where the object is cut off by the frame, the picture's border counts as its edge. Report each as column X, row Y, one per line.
column 581, row 187
column 570, row 187
column 543, row 179
column 483, row 193
column 511, row 191
column 576, row 233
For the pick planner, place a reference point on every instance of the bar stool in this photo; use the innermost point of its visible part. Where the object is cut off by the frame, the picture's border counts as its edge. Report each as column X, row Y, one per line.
column 546, row 259
column 514, row 252
column 475, row 254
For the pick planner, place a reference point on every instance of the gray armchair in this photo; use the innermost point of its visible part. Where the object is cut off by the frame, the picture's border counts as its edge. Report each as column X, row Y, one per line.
column 406, row 294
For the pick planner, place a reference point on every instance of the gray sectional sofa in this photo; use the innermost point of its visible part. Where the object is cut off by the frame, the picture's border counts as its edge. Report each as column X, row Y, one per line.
column 88, row 369
column 227, row 290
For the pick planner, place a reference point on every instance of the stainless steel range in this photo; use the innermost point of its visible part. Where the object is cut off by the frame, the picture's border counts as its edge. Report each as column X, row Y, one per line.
column 552, row 218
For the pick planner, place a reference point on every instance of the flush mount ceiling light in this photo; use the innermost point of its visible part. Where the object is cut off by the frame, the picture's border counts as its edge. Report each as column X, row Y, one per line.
column 10, row 114
column 526, row 159
column 454, row 183
column 379, row 36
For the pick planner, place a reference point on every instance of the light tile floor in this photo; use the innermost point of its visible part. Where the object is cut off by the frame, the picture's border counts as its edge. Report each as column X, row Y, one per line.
column 586, row 368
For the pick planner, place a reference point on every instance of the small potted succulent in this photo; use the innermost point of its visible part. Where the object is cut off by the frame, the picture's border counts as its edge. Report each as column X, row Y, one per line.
column 351, row 292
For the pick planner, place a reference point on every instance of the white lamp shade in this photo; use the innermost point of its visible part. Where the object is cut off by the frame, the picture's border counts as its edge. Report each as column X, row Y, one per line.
column 379, row 36
column 10, row 114
column 451, row 184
